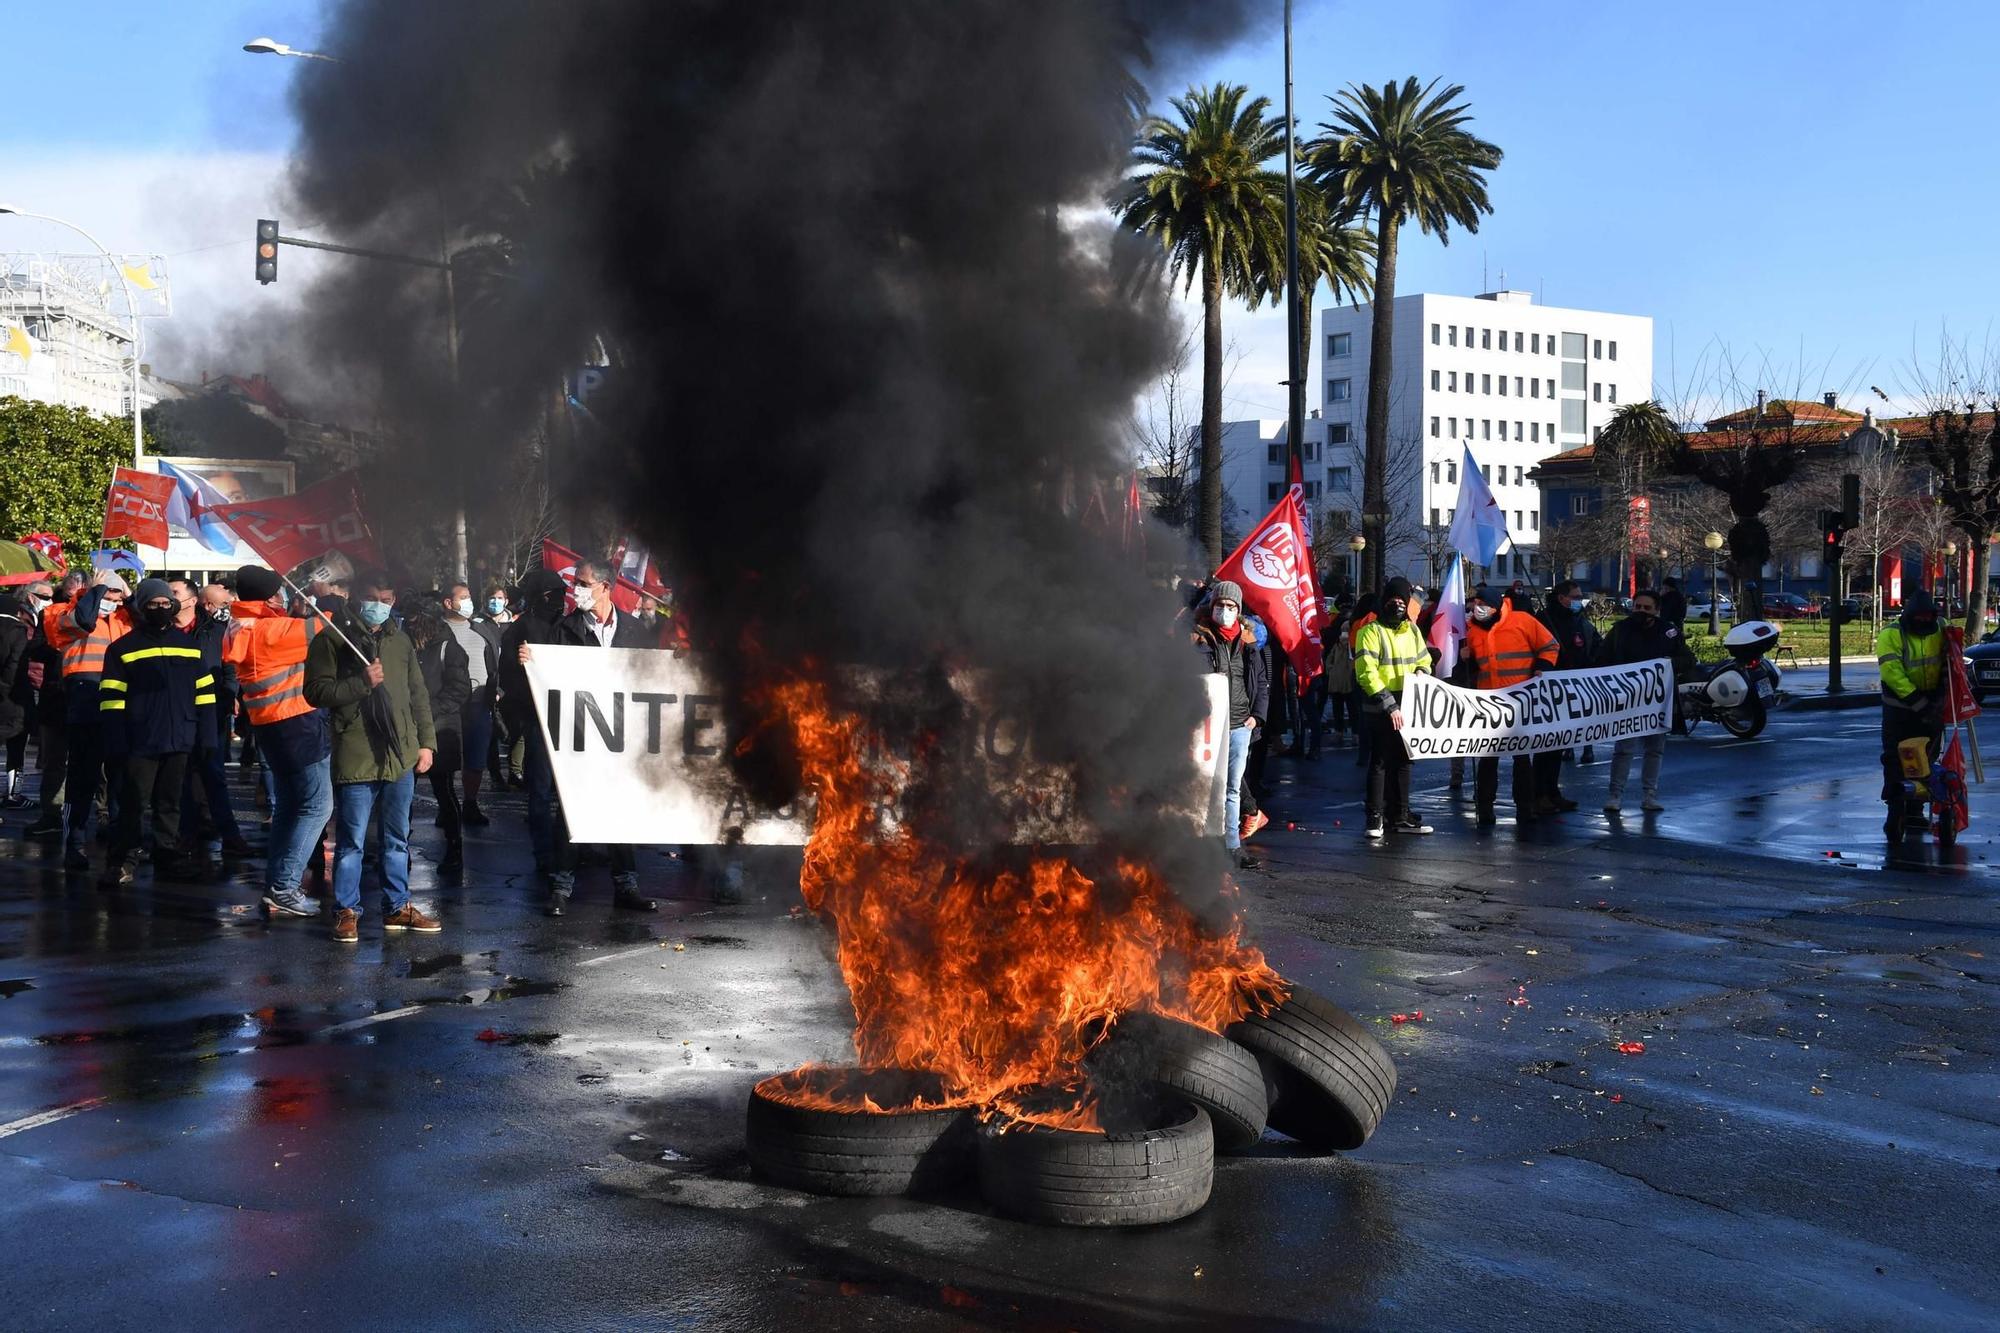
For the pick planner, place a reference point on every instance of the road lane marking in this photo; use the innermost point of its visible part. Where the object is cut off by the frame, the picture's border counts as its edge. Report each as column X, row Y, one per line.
column 382, row 1017
column 39, row 1119
column 654, row 947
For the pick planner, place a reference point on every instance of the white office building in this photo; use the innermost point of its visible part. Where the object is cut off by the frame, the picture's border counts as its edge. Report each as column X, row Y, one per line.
column 66, row 334
column 1513, row 381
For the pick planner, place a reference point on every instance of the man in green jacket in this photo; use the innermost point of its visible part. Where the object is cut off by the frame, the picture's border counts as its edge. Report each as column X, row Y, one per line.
column 368, row 680
column 1388, row 650
column 1911, row 655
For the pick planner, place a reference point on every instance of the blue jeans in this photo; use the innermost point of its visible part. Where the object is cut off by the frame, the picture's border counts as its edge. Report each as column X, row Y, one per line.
column 1232, row 802
column 300, row 802
column 353, row 803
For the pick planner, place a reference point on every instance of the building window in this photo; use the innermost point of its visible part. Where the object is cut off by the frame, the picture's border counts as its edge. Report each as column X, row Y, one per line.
column 1572, row 413
column 1535, row 344
column 1274, row 453
column 1450, row 472
column 1271, row 490
column 1454, row 427
column 1454, row 381
column 1573, row 376
column 1312, row 451
column 1517, row 440
column 1503, row 386
column 1535, row 387
column 1339, row 391
column 1340, row 479
column 1340, row 344
column 1552, row 432
column 1437, row 471
column 1552, row 388
column 1579, row 505
column 1452, row 329
column 1614, row 349
column 1434, row 517
column 1596, row 434
column 1597, row 350
column 1520, row 476
column 1434, row 335
column 1312, row 490
column 1534, row 432
column 1613, row 397
column 1486, row 471
column 1597, row 393
column 1336, row 433
column 1437, row 377
column 1486, row 384
column 1574, row 346
column 1485, row 429
column 1486, row 339
column 1517, row 386
column 1435, row 428
column 1534, row 520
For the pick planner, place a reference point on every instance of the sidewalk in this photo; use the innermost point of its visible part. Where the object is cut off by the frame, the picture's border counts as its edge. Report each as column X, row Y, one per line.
column 1806, row 683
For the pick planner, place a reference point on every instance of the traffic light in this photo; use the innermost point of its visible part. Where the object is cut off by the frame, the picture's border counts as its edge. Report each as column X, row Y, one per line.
column 267, row 250
column 1850, row 502
column 1832, row 523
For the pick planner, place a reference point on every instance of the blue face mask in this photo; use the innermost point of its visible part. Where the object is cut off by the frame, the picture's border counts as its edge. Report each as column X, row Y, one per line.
column 374, row 613
column 495, row 605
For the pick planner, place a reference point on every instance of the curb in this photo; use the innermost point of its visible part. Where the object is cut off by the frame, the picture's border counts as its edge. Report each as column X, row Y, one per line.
column 1821, row 703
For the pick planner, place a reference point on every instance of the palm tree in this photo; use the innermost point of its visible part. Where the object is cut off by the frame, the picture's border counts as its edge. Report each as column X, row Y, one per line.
column 1639, row 439
column 1330, row 251
column 1402, row 153
column 1203, row 190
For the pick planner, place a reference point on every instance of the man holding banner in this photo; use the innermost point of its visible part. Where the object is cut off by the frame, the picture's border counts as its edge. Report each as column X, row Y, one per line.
column 1388, row 652
column 1644, row 637
column 1505, row 647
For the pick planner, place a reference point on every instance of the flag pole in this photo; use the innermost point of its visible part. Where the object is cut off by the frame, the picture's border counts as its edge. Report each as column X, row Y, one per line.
column 313, row 607
column 1295, row 419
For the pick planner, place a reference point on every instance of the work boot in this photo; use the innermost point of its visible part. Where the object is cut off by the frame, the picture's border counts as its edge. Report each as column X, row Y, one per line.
column 1546, row 807
column 117, row 876
column 628, row 897
column 407, row 917
column 1651, row 804
column 75, row 858
column 1486, row 816
column 474, row 816
column 453, row 861
column 235, row 847
column 346, row 926
column 1562, row 802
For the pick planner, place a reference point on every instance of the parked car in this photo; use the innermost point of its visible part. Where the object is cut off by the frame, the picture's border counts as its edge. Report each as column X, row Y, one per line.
column 1788, row 606
column 1982, row 666
column 1698, row 608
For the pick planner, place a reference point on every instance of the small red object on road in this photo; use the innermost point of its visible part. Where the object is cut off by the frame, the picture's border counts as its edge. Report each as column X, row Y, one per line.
column 489, row 1035
column 1617, row 1096
column 1631, row 1048
column 1416, row 1017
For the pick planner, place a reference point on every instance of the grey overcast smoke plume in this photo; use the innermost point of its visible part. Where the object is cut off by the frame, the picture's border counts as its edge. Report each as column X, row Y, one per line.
column 857, row 362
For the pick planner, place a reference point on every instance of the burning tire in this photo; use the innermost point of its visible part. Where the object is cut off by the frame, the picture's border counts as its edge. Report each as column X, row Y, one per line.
column 857, row 1132
column 1181, row 1061
column 1136, row 1178
column 1330, row 1081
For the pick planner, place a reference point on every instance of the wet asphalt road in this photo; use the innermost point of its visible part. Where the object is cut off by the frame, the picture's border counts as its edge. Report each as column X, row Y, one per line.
column 207, row 1121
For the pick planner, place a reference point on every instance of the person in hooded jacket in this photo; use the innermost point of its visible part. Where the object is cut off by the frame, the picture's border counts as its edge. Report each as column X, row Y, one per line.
column 1228, row 648
column 1504, row 646
column 17, row 697
column 155, row 700
column 1910, row 653
column 446, row 668
column 1388, row 650
column 1578, row 645
column 540, row 621
column 1642, row 637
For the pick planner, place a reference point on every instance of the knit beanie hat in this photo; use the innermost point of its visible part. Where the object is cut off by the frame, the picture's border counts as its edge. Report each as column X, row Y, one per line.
column 151, row 588
column 254, row 583
column 1397, row 589
column 1226, row 591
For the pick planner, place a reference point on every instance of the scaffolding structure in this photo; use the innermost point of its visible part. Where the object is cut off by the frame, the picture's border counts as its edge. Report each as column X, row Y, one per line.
column 69, row 325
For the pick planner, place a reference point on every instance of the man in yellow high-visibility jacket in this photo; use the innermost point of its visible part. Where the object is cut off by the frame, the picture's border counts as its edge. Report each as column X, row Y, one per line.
column 1911, row 655
column 1388, row 650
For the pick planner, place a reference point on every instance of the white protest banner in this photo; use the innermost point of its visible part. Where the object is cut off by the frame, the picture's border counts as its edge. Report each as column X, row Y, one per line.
column 637, row 743
column 1557, row 710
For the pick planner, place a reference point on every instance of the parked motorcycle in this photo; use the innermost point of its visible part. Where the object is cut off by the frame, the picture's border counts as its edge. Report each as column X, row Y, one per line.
column 1738, row 694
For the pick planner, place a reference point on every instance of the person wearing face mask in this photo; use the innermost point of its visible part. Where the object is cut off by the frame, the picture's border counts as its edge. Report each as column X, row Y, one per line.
column 368, row 679
column 155, row 699
column 206, row 794
column 1642, row 637
column 52, row 749
column 1911, row 655
column 16, row 697
column 84, row 632
column 1230, row 649
column 480, row 639
column 1505, row 646
column 542, row 596
column 1388, row 651
column 1578, row 645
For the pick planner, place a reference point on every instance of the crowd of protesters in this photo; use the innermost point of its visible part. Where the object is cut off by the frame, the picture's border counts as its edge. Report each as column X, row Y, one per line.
column 1372, row 645
column 338, row 696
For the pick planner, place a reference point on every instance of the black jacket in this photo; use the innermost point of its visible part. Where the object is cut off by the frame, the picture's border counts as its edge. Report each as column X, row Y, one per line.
column 14, row 690
column 1248, row 670
column 1578, row 644
column 208, row 633
column 156, row 697
column 447, row 679
column 578, row 627
column 1630, row 641
column 516, row 708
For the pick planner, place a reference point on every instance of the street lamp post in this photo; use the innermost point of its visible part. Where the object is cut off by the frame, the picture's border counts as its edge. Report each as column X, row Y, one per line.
column 1357, row 544
column 1951, row 573
column 1713, row 541
column 131, row 303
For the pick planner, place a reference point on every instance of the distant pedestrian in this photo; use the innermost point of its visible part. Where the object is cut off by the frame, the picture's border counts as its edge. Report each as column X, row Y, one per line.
column 1338, row 680
column 448, row 682
column 479, row 638
column 1578, row 645
column 1387, row 652
column 1229, row 648
column 1673, row 603
column 1642, row 637
column 382, row 739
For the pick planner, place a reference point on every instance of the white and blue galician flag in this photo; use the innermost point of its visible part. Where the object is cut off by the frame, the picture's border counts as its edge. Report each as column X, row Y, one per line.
column 1479, row 528
column 1448, row 619
column 187, row 509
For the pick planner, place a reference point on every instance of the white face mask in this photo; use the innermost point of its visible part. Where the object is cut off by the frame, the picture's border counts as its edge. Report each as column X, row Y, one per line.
column 585, row 599
column 1482, row 614
column 1225, row 616
column 464, row 608
column 41, row 604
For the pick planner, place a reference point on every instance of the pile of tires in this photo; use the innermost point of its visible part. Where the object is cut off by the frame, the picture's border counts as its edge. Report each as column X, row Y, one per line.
column 1169, row 1094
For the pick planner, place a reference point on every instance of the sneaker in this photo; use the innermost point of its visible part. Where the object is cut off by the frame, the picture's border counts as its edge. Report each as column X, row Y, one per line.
column 1612, row 806
column 474, row 817
column 346, row 926
column 288, row 902
column 235, row 847
column 1249, row 861
column 1651, row 805
column 1486, row 816
column 557, row 904
column 1252, row 825
column 48, row 826
column 75, row 858
column 118, row 876
column 453, row 860
column 1411, row 824
column 1375, row 826
column 409, row 918
column 1564, row 803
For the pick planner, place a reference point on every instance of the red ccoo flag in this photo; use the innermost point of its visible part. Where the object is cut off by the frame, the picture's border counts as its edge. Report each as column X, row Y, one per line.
column 136, row 506
column 1274, row 568
column 288, row 530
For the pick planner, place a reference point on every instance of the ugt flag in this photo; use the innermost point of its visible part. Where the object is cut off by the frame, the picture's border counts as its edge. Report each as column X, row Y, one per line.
column 1275, row 570
column 190, row 508
column 1479, row 528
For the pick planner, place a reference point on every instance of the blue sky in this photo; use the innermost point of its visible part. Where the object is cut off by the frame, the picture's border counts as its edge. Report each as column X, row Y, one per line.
column 1806, row 186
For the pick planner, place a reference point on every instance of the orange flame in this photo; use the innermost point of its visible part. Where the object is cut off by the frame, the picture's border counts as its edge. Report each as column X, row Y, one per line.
column 1000, row 980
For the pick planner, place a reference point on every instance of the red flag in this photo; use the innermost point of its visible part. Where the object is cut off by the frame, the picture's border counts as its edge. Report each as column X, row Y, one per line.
column 1274, row 568
column 1960, row 703
column 625, row 592
column 287, row 530
column 49, row 545
column 136, row 506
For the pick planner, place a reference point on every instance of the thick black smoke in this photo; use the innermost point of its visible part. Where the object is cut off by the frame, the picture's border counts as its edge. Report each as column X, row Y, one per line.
column 862, row 366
